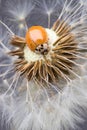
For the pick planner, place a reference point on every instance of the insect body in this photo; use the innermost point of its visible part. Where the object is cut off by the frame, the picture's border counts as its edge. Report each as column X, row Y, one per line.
column 36, row 39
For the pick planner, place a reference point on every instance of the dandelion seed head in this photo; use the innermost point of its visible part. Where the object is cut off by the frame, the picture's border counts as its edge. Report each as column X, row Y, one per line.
column 46, row 91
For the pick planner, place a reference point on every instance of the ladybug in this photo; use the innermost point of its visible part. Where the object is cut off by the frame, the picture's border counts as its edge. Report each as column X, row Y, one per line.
column 37, row 39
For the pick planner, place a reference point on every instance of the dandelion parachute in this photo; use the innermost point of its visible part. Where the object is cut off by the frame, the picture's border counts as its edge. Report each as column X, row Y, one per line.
column 43, row 89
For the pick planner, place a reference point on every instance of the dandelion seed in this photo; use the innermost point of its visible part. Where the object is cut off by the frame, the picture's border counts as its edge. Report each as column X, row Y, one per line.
column 18, row 14
column 48, row 7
